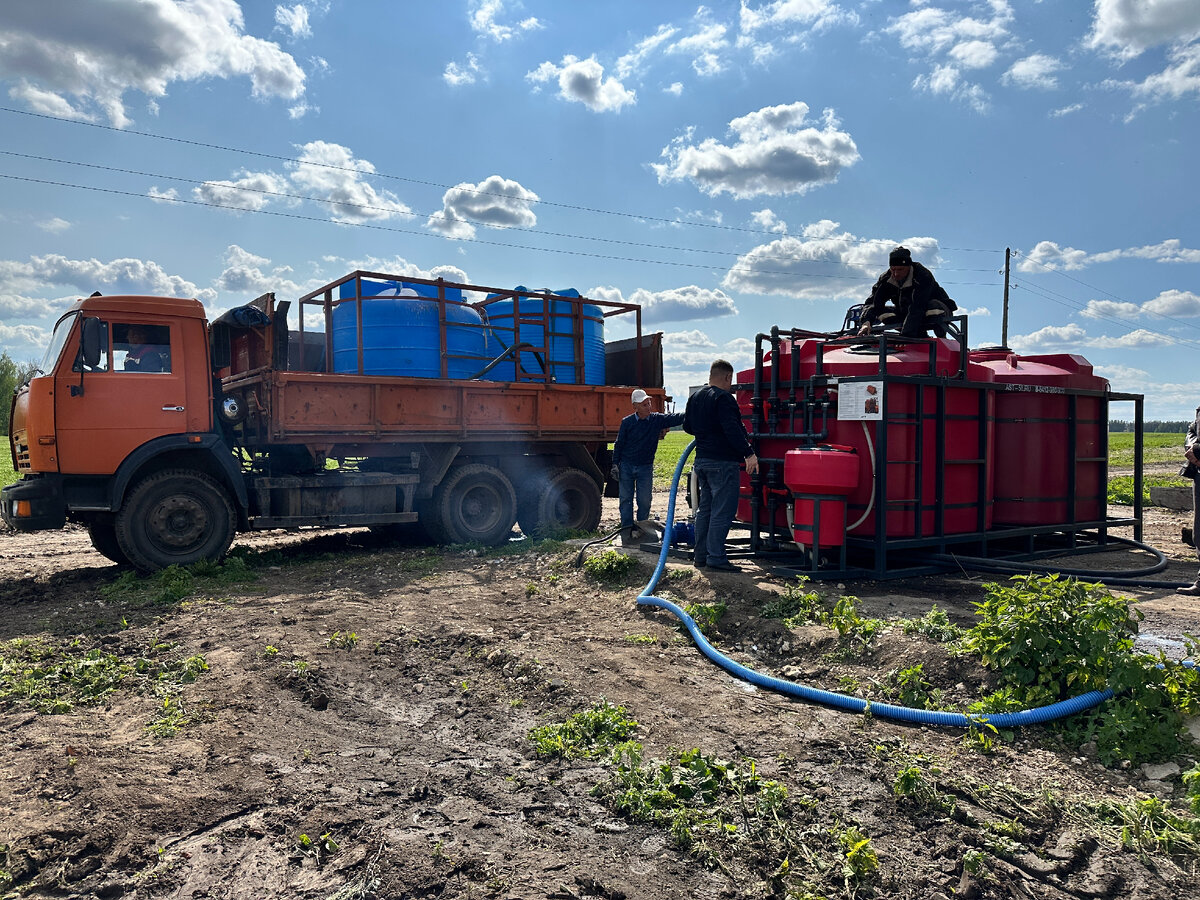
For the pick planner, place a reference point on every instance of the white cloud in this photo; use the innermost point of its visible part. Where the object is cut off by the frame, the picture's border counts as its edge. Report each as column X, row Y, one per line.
column 468, row 73
column 1048, row 255
column 248, row 191
column 496, row 202
column 1176, row 304
column 821, row 263
column 54, row 225
column 768, row 221
column 294, row 20
column 1126, row 29
column 791, row 15
column 675, row 87
column 1035, row 71
column 118, row 276
column 1180, row 78
column 333, row 174
column 1065, row 110
column 951, row 42
column 1050, row 337
column 980, row 312
column 483, row 18
column 1111, row 309
column 693, row 338
column 632, row 62
column 583, row 81
column 777, row 150
column 683, row 304
column 97, row 52
column 1139, row 339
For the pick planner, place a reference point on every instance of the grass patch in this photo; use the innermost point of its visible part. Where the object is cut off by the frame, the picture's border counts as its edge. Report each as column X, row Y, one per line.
column 1157, row 447
column 55, row 678
column 1120, row 487
column 173, row 583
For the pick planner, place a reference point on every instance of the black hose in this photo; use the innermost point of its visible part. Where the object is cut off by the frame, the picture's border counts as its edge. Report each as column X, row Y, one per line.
column 600, row 540
column 1121, row 578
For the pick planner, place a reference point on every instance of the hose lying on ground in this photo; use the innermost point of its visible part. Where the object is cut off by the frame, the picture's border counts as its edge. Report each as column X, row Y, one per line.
column 842, row 701
column 600, row 540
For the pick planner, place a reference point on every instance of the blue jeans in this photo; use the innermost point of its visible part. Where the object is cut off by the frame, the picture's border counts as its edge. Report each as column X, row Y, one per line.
column 641, row 479
column 717, row 480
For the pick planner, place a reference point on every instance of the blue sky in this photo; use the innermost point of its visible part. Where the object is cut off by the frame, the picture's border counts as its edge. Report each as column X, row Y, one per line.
column 730, row 166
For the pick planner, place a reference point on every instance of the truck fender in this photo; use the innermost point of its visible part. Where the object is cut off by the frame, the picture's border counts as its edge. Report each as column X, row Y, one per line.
column 178, row 447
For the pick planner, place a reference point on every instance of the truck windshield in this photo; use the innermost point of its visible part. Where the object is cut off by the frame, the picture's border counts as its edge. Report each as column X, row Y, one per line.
column 62, row 330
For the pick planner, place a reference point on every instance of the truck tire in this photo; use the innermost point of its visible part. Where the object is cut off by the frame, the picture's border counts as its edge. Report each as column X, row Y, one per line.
column 474, row 503
column 175, row 517
column 564, row 499
column 104, row 540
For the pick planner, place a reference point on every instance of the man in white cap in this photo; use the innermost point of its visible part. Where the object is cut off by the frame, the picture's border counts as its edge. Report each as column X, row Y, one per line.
column 633, row 459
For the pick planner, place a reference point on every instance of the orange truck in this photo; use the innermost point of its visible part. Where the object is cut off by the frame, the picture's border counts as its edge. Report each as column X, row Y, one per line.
column 165, row 434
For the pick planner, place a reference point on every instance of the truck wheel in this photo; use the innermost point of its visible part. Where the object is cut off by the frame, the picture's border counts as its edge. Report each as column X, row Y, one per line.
column 104, row 540
column 474, row 503
column 564, row 499
column 175, row 517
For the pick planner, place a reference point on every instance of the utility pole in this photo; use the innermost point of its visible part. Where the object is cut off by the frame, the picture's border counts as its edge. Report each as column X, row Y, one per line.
column 1004, row 324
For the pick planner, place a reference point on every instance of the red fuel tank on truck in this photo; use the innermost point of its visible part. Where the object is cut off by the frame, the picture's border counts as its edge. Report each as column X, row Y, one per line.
column 1051, row 464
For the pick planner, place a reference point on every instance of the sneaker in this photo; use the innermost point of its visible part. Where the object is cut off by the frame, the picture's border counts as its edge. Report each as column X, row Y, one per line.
column 700, row 564
column 1192, row 590
column 1185, row 535
column 724, row 567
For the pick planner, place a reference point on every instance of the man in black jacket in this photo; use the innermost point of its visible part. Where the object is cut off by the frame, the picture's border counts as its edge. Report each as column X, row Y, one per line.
column 713, row 417
column 907, row 293
column 1191, row 471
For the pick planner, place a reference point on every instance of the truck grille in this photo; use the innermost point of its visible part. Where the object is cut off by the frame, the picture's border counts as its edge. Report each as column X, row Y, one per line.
column 23, row 464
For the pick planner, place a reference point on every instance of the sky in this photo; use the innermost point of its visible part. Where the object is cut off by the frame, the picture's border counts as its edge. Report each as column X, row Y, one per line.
column 729, row 167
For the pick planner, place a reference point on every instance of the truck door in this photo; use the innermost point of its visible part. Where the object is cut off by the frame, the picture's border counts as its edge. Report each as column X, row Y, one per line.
column 138, row 392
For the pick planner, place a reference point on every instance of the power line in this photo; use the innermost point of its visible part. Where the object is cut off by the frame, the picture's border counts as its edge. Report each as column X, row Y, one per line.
column 409, row 231
column 366, row 207
column 385, row 175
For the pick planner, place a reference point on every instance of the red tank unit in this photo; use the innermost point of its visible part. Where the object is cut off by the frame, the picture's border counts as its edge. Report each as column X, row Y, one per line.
column 908, row 411
column 1051, row 465
column 820, row 479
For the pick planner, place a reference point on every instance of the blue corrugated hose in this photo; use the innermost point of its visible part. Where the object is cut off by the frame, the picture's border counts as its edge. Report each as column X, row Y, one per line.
column 842, row 701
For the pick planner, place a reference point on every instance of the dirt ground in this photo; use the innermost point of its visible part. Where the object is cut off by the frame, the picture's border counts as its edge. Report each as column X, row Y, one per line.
column 399, row 764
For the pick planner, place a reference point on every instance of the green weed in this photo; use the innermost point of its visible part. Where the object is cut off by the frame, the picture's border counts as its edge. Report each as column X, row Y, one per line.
column 1120, row 487
column 935, row 625
column 861, row 860
column 1050, row 638
column 588, row 734
column 343, row 640
column 1149, row 827
column 706, row 616
column 640, row 639
column 610, row 566
column 910, row 688
column 796, row 605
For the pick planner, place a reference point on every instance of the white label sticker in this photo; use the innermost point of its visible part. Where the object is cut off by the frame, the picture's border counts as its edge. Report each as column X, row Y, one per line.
column 860, row 401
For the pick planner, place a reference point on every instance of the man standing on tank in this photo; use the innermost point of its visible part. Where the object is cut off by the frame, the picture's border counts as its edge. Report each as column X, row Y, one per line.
column 1191, row 469
column 713, row 417
column 633, row 459
column 907, row 292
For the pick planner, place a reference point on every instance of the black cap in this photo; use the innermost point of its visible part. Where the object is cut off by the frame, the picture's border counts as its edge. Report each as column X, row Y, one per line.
column 901, row 256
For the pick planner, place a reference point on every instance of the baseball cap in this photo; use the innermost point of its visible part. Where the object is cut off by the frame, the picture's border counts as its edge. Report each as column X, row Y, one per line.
column 639, row 395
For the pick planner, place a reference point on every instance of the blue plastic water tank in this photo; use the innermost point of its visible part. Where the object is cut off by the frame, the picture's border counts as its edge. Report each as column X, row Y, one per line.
column 559, row 360
column 401, row 332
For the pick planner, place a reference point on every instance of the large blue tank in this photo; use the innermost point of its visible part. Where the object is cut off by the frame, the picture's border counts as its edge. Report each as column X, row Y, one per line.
column 401, row 332
column 559, row 362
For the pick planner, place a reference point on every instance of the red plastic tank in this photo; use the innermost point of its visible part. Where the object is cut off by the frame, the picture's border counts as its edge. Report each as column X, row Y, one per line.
column 822, row 476
column 1034, row 426
column 966, row 451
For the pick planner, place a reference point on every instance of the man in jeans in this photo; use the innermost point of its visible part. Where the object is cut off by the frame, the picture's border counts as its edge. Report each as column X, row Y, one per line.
column 713, row 417
column 633, row 459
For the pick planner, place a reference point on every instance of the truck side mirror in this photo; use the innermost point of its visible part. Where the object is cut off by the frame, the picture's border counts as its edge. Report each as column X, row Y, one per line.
column 91, row 344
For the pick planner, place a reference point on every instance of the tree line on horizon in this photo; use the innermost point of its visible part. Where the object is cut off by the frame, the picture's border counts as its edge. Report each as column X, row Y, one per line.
column 1154, row 426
